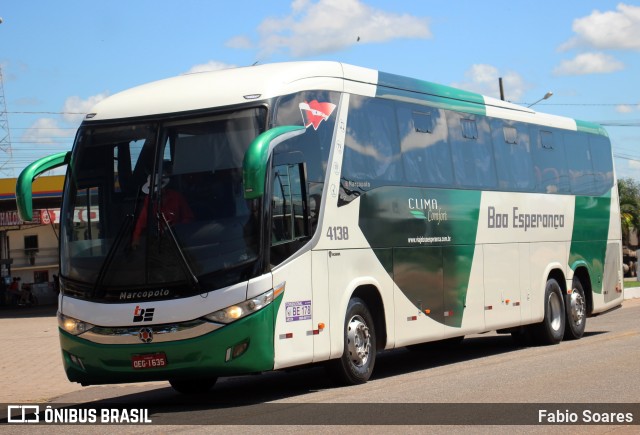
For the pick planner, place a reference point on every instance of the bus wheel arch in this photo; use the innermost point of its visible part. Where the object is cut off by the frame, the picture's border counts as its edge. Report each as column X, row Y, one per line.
column 371, row 297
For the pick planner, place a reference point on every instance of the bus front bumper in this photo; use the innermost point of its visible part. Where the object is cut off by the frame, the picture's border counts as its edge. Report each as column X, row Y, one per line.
column 244, row 346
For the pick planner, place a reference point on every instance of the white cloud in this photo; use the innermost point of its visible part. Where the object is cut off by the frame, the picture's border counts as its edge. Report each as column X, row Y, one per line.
column 624, row 108
column 627, row 108
column 619, row 30
column 239, row 42
column 46, row 131
column 50, row 130
column 483, row 79
column 212, row 65
column 330, row 25
column 588, row 63
column 75, row 108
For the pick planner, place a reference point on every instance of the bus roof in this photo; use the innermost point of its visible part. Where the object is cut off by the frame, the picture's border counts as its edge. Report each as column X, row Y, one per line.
column 200, row 91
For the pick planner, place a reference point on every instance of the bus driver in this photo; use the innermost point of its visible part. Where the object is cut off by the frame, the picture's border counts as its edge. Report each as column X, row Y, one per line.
column 173, row 206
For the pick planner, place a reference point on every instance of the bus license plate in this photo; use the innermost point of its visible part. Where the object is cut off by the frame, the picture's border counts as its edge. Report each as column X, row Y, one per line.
column 149, row 361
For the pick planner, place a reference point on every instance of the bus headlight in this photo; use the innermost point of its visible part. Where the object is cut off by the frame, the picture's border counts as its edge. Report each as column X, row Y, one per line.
column 238, row 311
column 73, row 326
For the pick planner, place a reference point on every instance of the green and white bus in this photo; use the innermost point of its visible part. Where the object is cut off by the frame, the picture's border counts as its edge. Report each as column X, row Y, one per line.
column 259, row 218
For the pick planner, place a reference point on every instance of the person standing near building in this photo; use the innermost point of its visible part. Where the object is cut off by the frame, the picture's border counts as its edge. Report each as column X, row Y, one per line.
column 3, row 292
column 14, row 291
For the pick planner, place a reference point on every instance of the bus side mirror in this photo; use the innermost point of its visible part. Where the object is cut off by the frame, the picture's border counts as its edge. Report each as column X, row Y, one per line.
column 24, row 185
column 254, row 165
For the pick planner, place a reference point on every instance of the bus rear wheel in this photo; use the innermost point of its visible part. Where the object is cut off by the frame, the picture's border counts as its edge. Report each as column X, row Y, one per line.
column 551, row 329
column 193, row 386
column 576, row 309
column 359, row 353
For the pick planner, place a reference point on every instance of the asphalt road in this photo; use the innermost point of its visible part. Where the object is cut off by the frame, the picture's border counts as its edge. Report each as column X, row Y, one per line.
column 479, row 380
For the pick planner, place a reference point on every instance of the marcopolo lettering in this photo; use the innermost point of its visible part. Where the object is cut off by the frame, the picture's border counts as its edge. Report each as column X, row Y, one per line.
column 144, row 294
column 523, row 221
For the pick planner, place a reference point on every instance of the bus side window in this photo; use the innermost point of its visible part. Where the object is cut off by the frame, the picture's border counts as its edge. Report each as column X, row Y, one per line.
column 578, row 156
column 372, row 152
column 513, row 156
column 601, row 159
column 289, row 215
column 425, row 150
column 471, row 150
column 549, row 160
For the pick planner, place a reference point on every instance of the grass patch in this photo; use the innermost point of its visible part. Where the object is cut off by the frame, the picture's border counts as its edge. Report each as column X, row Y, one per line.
column 631, row 284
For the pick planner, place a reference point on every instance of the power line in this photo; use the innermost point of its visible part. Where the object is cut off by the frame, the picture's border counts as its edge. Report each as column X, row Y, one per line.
column 46, row 113
column 631, row 123
column 583, row 104
column 44, row 128
column 621, row 156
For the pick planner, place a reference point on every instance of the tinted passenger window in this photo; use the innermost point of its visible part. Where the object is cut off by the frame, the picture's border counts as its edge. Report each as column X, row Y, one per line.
column 473, row 163
column 513, row 155
column 549, row 161
column 578, row 156
column 371, row 149
column 602, row 164
column 425, row 150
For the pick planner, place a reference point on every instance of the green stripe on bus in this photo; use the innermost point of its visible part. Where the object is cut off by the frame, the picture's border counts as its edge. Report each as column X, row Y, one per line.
column 589, row 237
column 591, row 127
column 444, row 97
column 430, row 234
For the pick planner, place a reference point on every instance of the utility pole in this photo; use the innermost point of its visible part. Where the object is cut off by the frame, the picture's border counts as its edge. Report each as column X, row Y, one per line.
column 6, row 155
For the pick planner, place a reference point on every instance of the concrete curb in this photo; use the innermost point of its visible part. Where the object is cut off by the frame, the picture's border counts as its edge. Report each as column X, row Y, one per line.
column 631, row 293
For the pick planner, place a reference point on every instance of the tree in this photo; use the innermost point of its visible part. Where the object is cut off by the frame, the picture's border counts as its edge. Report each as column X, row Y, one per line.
column 629, row 192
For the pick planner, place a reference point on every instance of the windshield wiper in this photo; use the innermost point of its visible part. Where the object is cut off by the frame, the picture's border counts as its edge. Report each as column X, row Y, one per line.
column 112, row 252
column 185, row 263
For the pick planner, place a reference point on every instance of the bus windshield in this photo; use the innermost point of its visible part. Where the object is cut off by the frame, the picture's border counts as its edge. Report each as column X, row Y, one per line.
column 157, row 209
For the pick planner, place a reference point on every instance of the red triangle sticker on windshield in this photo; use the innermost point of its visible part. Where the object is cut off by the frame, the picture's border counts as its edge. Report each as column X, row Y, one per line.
column 313, row 113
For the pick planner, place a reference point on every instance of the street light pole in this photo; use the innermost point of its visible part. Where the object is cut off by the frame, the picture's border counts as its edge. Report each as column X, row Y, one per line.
column 546, row 96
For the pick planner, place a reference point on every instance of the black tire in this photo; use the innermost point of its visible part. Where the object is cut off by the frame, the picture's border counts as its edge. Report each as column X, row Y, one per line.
column 193, row 386
column 359, row 353
column 551, row 329
column 576, row 310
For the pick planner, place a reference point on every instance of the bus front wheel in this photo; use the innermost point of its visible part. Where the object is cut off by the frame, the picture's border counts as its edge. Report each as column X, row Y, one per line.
column 359, row 353
column 193, row 386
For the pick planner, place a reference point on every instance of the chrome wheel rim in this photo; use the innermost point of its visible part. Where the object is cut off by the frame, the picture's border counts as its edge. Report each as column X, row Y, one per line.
column 554, row 307
column 577, row 307
column 358, row 341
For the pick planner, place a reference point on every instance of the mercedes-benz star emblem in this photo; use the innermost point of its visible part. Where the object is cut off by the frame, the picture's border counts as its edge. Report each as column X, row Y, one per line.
column 146, row 335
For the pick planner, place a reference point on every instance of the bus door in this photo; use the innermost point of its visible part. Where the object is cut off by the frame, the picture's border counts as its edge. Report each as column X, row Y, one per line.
column 290, row 266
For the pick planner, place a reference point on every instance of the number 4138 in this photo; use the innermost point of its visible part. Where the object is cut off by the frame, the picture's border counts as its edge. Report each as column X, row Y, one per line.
column 338, row 233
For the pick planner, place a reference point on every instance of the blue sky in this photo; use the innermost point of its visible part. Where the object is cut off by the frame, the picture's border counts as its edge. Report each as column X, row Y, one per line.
column 60, row 57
